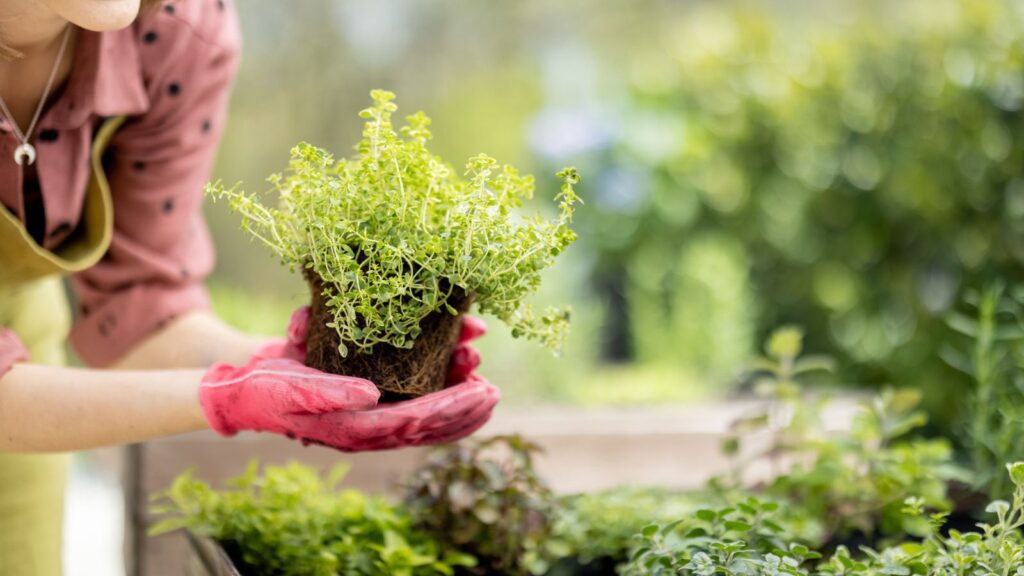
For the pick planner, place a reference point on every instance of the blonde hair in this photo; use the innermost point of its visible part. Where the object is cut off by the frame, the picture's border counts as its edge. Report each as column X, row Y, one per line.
column 8, row 53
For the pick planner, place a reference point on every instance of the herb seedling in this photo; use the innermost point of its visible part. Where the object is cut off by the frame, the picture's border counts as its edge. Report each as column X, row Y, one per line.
column 395, row 243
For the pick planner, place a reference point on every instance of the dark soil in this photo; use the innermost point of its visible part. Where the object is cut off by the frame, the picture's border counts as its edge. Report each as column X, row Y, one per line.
column 400, row 373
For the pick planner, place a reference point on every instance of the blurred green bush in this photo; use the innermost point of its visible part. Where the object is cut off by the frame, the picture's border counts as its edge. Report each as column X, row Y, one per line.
column 851, row 172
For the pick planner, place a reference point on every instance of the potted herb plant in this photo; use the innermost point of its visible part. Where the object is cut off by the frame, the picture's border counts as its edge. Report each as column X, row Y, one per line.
column 395, row 244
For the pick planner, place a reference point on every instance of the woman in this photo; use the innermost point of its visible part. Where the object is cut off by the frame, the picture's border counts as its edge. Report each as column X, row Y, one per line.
column 111, row 117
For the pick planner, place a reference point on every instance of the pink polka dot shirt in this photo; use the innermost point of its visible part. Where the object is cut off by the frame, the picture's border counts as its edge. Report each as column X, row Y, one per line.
column 170, row 73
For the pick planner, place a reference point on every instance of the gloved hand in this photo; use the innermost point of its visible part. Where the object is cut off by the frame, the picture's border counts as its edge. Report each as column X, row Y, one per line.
column 273, row 395
column 438, row 418
column 11, row 350
column 277, row 393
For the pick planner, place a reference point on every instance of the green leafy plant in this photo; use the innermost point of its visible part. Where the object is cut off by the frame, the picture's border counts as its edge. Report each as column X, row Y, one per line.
column 741, row 548
column 602, row 526
column 991, row 328
column 725, row 540
column 395, row 232
column 289, row 521
column 484, row 498
column 850, row 482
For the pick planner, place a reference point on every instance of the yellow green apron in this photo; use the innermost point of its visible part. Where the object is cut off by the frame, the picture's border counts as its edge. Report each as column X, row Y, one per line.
column 33, row 305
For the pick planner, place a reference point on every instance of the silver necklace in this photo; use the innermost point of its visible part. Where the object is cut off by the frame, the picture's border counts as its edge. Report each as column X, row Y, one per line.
column 26, row 152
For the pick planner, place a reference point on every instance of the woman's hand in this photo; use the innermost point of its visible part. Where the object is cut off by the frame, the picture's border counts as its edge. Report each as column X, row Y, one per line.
column 275, row 395
column 285, row 397
column 438, row 418
column 46, row 408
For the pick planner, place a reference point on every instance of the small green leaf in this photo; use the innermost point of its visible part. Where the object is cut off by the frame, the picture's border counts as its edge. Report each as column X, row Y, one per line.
column 1016, row 471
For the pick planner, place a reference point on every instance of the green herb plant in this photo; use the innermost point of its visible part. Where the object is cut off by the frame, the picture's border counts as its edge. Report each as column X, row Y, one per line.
column 485, row 498
column 738, row 547
column 850, row 483
column 290, row 522
column 723, row 540
column 601, row 527
column 991, row 327
column 394, row 231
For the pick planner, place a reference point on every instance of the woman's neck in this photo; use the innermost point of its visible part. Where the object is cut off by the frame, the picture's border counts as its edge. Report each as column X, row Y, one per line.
column 29, row 27
column 35, row 33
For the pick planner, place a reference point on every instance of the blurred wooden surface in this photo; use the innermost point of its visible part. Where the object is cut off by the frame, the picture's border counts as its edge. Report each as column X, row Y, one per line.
column 584, row 450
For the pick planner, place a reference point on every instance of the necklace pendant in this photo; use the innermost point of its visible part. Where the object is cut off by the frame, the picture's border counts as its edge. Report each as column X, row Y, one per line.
column 26, row 153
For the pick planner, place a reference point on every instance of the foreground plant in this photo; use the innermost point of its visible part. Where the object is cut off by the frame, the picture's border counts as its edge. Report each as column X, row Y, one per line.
column 712, row 543
column 850, row 484
column 485, row 498
column 395, row 243
column 600, row 528
column 290, row 522
column 991, row 354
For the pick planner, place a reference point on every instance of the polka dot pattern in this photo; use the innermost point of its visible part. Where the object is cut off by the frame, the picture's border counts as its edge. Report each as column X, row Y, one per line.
column 170, row 73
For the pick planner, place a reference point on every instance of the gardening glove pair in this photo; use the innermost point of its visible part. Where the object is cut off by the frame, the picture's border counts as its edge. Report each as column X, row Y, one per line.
column 276, row 393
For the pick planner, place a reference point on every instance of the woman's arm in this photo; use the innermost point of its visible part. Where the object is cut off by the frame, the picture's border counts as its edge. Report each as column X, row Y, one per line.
column 48, row 409
column 60, row 409
column 196, row 340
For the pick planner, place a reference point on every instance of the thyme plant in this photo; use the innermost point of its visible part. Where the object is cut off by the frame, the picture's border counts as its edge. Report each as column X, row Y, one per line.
column 735, row 548
column 394, row 231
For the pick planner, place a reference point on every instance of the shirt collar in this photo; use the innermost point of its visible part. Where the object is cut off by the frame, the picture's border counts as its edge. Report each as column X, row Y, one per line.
column 106, row 79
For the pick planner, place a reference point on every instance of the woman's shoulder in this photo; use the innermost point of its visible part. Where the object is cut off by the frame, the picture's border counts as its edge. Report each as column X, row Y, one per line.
column 179, row 29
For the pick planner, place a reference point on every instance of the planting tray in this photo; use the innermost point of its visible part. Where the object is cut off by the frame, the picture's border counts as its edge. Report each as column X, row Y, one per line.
column 208, row 558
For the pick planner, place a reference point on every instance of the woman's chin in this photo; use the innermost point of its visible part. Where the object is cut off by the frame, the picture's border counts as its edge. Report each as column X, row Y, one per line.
column 97, row 15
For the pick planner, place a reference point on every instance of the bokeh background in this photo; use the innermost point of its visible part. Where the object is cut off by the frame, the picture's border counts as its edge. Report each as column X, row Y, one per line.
column 854, row 167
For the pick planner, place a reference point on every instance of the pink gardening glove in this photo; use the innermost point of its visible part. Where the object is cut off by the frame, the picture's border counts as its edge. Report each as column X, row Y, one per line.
column 465, row 358
column 438, row 418
column 12, row 350
column 278, row 395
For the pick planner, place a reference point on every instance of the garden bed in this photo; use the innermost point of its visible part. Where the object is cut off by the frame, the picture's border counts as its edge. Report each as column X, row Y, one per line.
column 646, row 445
